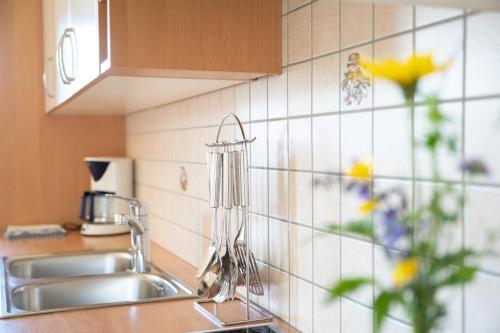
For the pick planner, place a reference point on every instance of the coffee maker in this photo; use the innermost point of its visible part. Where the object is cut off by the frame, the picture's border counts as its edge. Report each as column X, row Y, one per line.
column 108, row 175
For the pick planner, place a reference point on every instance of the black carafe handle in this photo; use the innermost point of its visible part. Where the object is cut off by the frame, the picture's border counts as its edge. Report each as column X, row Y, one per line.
column 91, row 206
column 83, row 205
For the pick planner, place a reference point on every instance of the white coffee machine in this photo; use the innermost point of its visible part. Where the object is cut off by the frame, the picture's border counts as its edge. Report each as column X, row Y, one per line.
column 109, row 175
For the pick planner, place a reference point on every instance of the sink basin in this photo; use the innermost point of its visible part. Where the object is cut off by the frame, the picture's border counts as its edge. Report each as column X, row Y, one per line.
column 61, row 282
column 48, row 266
column 93, row 290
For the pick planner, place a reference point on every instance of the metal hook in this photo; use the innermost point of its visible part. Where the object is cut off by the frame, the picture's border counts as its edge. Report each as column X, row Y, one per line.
column 225, row 143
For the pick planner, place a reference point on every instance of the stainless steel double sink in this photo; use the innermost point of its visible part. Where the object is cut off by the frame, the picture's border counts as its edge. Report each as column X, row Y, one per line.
column 59, row 282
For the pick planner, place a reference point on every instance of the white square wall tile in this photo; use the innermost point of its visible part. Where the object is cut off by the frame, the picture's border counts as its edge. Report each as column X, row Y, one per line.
column 355, row 138
column 481, row 309
column 278, row 244
column 453, row 298
column 278, row 194
column 279, row 294
column 301, row 304
column 445, row 43
column 227, row 100
column 357, row 261
column 392, row 18
column 299, row 136
column 299, row 89
column 258, row 99
column 326, row 204
column 326, row 314
column 431, row 14
column 481, row 222
column 392, row 143
column 300, row 197
column 355, row 318
column 278, row 144
column 366, row 53
column 242, row 101
column 258, row 149
column 325, row 26
column 400, row 48
column 277, row 95
column 326, row 259
column 259, row 236
column 357, row 29
column 301, row 251
column 448, row 163
column 326, row 87
column 264, row 274
column 483, row 46
column 299, row 35
column 326, row 143
column 258, row 191
column 452, row 232
column 482, row 128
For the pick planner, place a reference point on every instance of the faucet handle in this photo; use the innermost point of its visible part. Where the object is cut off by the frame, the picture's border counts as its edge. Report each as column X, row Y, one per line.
column 121, row 219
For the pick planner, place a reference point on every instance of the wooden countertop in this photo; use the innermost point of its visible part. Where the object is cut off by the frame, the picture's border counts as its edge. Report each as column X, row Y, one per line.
column 168, row 316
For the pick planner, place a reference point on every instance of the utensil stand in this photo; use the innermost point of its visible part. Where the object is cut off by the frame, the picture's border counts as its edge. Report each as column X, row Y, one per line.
column 236, row 310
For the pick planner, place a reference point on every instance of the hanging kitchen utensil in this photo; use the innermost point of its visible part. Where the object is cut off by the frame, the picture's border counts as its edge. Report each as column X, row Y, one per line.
column 233, row 260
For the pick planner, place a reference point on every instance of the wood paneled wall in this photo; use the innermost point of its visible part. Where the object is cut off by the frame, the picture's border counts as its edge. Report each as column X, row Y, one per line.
column 42, row 173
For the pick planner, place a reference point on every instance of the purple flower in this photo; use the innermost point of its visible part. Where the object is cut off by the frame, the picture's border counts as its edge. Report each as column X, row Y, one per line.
column 392, row 229
column 474, row 167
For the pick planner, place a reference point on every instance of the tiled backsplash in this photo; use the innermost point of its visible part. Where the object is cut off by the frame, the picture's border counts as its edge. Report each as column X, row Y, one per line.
column 307, row 137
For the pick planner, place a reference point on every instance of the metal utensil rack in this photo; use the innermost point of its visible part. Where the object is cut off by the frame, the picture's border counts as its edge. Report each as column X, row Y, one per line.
column 237, row 310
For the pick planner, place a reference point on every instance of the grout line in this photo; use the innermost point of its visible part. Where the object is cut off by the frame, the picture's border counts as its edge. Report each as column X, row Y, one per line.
column 462, row 212
column 372, row 181
column 340, row 155
column 324, row 114
column 267, row 219
column 312, row 167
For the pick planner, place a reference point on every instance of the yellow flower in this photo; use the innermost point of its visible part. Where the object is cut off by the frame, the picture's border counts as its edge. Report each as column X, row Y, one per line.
column 405, row 271
column 406, row 74
column 368, row 206
column 360, row 171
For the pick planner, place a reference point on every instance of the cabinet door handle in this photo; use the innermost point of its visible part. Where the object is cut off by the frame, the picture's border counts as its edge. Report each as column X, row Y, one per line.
column 45, row 81
column 68, row 34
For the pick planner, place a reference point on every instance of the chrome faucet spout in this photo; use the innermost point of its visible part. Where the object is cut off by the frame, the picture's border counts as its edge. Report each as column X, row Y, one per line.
column 139, row 236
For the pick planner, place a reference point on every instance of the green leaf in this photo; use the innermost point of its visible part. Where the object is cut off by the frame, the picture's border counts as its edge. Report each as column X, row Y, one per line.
column 452, row 144
column 382, row 305
column 456, row 258
column 347, row 286
column 434, row 115
column 361, row 227
column 432, row 139
column 461, row 275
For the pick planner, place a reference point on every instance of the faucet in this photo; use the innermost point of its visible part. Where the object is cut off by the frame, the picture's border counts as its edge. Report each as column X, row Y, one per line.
column 139, row 235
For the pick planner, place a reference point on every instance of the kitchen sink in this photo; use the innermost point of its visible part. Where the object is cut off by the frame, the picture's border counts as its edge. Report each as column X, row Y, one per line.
column 76, row 264
column 61, row 282
column 92, row 290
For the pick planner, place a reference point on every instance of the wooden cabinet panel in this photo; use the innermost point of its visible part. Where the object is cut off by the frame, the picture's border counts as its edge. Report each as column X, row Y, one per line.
column 227, row 41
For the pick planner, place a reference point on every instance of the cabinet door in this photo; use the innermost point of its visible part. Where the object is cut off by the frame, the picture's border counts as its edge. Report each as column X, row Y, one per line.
column 75, row 37
column 83, row 19
column 65, row 52
column 49, row 52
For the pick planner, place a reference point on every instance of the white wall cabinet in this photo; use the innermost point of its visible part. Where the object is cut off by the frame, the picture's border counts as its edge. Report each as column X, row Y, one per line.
column 71, row 48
